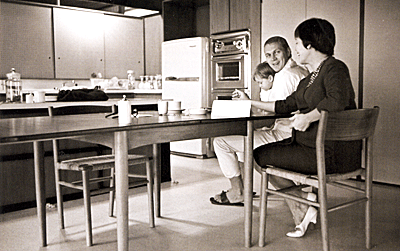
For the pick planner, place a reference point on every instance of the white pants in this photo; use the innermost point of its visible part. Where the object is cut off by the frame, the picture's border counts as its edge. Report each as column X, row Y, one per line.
column 230, row 149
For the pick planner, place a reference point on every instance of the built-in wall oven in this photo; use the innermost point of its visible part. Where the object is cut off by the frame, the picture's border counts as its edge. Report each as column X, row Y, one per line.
column 230, row 63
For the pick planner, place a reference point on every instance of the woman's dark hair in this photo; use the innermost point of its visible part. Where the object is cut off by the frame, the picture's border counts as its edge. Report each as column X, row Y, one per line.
column 282, row 42
column 318, row 33
column 263, row 70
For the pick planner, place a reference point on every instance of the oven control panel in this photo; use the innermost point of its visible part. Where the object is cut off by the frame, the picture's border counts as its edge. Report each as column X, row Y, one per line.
column 230, row 43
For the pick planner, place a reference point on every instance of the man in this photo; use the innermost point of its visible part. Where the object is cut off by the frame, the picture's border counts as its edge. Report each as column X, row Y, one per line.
column 229, row 150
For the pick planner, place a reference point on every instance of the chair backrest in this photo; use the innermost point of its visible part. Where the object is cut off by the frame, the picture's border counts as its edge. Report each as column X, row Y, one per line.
column 347, row 125
column 70, row 110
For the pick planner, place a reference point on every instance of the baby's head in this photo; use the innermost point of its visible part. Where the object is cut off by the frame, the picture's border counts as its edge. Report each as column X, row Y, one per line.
column 264, row 75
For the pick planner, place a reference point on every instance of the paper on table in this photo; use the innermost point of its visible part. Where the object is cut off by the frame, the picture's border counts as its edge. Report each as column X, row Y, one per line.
column 230, row 108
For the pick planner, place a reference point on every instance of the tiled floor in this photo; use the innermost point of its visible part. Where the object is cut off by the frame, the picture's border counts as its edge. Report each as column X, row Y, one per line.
column 190, row 222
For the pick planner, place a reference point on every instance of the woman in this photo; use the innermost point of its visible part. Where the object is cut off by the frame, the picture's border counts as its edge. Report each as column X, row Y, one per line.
column 328, row 87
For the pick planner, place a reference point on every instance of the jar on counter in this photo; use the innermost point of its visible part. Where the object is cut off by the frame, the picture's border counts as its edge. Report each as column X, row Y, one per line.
column 131, row 79
column 13, row 87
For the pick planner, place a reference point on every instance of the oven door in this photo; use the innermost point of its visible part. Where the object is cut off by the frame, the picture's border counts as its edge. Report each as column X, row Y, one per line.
column 229, row 72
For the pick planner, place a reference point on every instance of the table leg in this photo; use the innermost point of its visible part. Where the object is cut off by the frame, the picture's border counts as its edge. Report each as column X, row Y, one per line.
column 157, row 178
column 121, row 188
column 248, row 184
column 38, row 152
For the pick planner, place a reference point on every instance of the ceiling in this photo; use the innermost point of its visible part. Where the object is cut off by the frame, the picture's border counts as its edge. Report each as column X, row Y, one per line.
column 110, row 5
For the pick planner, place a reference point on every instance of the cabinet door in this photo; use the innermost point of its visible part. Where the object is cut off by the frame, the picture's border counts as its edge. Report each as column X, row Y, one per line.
column 79, row 43
column 26, row 41
column 219, row 16
column 153, row 41
column 123, row 46
column 381, row 84
column 239, row 14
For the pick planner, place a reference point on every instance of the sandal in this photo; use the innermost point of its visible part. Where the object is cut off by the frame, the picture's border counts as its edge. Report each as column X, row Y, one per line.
column 225, row 201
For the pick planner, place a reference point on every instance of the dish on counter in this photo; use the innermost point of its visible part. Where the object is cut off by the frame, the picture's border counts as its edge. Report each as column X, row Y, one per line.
column 50, row 98
column 175, row 111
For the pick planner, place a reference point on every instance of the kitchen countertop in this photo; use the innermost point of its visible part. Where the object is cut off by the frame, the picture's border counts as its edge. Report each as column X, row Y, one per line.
column 55, row 92
column 16, row 106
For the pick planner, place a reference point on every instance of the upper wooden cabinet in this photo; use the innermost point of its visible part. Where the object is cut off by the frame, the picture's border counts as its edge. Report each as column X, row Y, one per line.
column 219, row 16
column 123, row 46
column 79, row 43
column 26, row 41
column 229, row 15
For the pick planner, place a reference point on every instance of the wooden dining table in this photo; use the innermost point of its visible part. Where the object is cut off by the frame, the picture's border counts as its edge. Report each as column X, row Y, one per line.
column 145, row 129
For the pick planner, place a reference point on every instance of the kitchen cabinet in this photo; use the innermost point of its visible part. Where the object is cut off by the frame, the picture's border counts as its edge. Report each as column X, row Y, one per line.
column 226, row 15
column 123, row 39
column 26, row 41
column 179, row 20
column 79, row 43
column 153, row 39
column 219, row 16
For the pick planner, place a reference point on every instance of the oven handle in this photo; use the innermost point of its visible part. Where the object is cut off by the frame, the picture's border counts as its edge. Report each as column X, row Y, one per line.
column 220, row 58
column 227, row 88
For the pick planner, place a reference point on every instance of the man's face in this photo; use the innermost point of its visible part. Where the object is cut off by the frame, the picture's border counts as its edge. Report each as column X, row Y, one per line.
column 276, row 56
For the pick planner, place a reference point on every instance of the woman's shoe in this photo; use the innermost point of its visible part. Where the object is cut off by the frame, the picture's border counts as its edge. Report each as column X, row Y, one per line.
column 300, row 230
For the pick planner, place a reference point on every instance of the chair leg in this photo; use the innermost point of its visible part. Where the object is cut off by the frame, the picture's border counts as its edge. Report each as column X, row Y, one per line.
column 323, row 211
column 112, row 193
column 150, row 194
column 88, row 214
column 263, row 208
column 60, row 204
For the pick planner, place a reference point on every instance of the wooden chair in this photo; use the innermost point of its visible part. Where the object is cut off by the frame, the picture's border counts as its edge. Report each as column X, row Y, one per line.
column 87, row 165
column 358, row 124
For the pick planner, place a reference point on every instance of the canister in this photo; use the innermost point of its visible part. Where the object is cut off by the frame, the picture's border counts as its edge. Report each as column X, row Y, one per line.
column 13, row 87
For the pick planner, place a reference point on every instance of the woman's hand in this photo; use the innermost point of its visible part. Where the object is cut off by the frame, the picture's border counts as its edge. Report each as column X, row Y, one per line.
column 238, row 94
column 301, row 122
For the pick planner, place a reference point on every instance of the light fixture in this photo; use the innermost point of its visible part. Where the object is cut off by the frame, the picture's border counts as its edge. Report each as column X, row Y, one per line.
column 135, row 12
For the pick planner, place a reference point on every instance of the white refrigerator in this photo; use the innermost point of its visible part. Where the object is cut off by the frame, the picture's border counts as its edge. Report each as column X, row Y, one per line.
column 186, row 78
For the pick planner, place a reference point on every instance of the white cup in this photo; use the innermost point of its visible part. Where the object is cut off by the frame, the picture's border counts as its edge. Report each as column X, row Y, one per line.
column 174, row 105
column 162, row 107
column 39, row 96
column 29, row 98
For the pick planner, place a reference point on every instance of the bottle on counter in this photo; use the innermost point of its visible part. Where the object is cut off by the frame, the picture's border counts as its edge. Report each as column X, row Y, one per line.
column 158, row 81
column 141, row 84
column 13, row 87
column 131, row 79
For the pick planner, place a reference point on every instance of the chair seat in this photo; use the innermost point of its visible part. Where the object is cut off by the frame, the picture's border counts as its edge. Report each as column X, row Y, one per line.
column 311, row 180
column 95, row 163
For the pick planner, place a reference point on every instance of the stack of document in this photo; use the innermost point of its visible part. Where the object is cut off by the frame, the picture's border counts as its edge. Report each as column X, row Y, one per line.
column 231, row 108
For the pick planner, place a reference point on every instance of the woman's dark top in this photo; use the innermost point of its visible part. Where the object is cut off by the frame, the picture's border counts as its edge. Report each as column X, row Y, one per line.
column 331, row 91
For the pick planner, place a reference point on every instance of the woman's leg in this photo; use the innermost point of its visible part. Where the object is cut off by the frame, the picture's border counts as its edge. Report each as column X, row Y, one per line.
column 290, row 156
column 298, row 209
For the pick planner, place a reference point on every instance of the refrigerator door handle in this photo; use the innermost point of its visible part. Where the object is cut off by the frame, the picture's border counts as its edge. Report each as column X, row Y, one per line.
column 196, row 79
